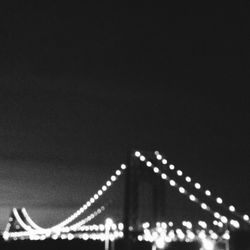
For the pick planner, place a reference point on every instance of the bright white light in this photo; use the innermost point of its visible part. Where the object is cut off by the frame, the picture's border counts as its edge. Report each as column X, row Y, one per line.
column 226, row 236
column 108, row 222
column 118, row 172
column 137, row 153
column 164, row 176
column 149, row 164
column 170, row 223
column 159, row 157
column 113, row 178
column 123, row 166
column 142, row 158
column 145, row 225
column 204, row 206
column 104, row 188
column 171, row 167
column 207, row 193
column 232, row 208
column 108, row 183
column 164, row 225
column 160, row 243
column 120, row 226
column 181, row 190
column 100, row 192
column 235, row 223
column 220, row 224
column 215, row 222
column 180, row 234
column 139, row 237
column 224, row 219
column 214, row 236
column 245, row 217
column 216, row 215
column 202, row 224
column 197, row 185
column 96, row 196
column 179, row 172
column 164, row 161
column 207, row 244
column 219, row 200
column 188, row 224
column 172, row 183
column 188, row 179
column 156, row 170
column 192, row 197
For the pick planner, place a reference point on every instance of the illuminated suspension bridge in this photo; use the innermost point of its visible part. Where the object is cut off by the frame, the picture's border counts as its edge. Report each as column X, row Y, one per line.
column 141, row 165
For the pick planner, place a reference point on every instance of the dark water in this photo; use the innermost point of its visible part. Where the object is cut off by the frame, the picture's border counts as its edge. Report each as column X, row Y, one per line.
column 90, row 244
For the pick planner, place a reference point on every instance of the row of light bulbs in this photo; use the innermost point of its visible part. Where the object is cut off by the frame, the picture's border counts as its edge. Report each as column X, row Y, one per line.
column 197, row 186
column 89, row 218
column 92, row 200
column 181, row 189
column 35, row 229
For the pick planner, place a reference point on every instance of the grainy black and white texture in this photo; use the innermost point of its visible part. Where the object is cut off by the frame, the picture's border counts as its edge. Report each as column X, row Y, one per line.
column 81, row 84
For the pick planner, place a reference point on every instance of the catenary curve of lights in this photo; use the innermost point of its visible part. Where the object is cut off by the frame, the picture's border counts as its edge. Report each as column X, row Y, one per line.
column 114, row 177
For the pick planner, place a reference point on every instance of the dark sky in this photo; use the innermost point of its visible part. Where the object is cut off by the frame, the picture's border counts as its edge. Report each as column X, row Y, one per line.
column 81, row 84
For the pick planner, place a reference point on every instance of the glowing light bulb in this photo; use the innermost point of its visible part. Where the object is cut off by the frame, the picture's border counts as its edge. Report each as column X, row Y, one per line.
column 137, row 153
column 142, row 158
column 224, row 219
column 113, row 178
column 219, row 200
column 164, row 161
column 118, row 172
column 149, row 164
column 123, row 166
column 179, row 172
column 235, row 223
column 172, row 183
column 188, row 179
column 202, row 224
column 181, row 190
column 171, row 167
column 216, row 215
column 156, row 170
column 245, row 217
column 232, row 208
column 192, row 197
column 207, row 193
column 159, row 157
column 197, row 185
column 204, row 206
column 170, row 223
column 163, row 176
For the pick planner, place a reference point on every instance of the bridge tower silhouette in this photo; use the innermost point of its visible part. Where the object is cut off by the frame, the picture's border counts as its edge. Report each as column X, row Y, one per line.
column 135, row 176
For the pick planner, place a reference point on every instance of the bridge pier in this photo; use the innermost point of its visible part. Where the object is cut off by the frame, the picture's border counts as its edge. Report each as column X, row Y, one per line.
column 134, row 176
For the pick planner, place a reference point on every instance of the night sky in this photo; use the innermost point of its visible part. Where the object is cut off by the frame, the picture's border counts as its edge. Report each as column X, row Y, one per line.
column 82, row 84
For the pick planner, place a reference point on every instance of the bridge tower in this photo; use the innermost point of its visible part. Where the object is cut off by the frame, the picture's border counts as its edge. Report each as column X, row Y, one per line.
column 135, row 175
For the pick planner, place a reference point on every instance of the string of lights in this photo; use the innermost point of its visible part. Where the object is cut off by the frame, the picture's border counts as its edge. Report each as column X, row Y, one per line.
column 181, row 189
column 87, row 219
column 198, row 187
column 92, row 199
